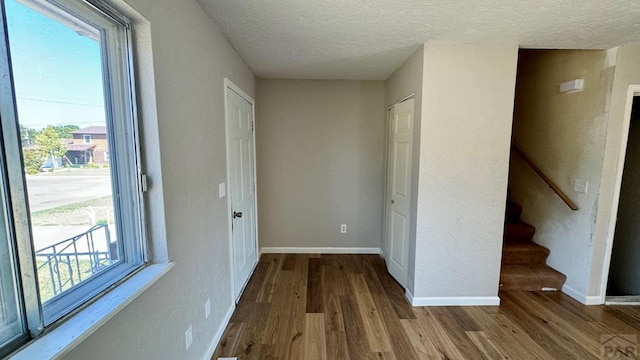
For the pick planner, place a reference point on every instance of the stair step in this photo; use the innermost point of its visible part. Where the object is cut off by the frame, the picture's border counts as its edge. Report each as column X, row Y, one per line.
column 513, row 212
column 518, row 231
column 524, row 253
column 530, row 278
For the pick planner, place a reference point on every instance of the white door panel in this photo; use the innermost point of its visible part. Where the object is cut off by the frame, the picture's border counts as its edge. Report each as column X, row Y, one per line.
column 398, row 226
column 399, row 189
column 242, row 188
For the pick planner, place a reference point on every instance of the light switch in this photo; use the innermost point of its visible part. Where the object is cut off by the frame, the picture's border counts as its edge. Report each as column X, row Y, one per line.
column 222, row 190
column 580, row 186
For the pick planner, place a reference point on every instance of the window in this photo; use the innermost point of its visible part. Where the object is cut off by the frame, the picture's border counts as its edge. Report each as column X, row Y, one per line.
column 68, row 230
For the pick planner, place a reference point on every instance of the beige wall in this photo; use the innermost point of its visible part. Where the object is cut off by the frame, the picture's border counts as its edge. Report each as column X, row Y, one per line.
column 320, row 158
column 564, row 134
column 191, row 58
column 407, row 80
column 467, row 107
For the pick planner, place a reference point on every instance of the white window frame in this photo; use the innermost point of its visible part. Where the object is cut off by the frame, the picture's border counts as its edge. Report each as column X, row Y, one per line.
column 126, row 172
column 86, row 139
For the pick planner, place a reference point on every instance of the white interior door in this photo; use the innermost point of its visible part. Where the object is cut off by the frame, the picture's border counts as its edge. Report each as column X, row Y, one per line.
column 240, row 145
column 399, row 190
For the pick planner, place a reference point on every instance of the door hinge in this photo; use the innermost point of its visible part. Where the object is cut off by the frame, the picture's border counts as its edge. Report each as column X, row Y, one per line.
column 252, row 125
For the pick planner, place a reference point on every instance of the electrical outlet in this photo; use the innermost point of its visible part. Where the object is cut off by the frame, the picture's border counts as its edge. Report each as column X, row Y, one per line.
column 188, row 336
column 343, row 229
column 207, row 308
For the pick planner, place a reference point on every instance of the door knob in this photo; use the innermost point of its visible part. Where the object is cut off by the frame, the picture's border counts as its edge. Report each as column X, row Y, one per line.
column 393, row 202
column 237, row 214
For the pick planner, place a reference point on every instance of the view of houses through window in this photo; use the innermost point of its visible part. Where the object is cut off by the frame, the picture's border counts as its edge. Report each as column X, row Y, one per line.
column 58, row 81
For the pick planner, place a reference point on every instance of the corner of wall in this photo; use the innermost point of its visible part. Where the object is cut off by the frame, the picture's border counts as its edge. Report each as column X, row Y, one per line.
column 580, row 297
column 454, row 140
column 624, row 60
column 403, row 82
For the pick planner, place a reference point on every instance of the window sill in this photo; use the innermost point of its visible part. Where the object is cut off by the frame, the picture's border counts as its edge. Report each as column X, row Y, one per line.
column 74, row 330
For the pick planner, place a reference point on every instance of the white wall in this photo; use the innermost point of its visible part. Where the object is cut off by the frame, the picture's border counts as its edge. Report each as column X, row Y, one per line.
column 320, row 158
column 564, row 134
column 407, row 80
column 191, row 58
column 467, row 107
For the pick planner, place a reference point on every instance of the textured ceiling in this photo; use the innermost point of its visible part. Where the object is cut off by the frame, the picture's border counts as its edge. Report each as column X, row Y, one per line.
column 369, row 39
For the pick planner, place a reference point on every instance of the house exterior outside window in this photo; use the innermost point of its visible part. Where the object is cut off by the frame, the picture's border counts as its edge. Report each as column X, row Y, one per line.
column 89, row 145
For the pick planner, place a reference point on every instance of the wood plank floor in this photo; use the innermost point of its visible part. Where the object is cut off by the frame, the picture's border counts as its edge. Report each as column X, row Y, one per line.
column 304, row 307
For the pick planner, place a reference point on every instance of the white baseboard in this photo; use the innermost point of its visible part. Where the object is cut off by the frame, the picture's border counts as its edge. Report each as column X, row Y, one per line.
column 319, row 250
column 453, row 301
column 409, row 295
column 586, row 300
column 220, row 332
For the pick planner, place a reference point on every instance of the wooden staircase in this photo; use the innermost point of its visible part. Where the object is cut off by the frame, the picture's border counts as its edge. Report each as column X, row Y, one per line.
column 523, row 261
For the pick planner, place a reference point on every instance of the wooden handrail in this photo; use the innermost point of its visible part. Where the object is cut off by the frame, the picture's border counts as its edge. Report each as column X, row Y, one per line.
column 545, row 178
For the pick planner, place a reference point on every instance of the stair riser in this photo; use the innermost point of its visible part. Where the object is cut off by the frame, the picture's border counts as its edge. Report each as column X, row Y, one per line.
column 533, row 286
column 513, row 213
column 519, row 233
column 530, row 278
column 525, row 257
column 531, row 283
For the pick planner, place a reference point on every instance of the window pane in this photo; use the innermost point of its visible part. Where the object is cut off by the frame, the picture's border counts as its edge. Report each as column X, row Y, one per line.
column 11, row 324
column 58, row 76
